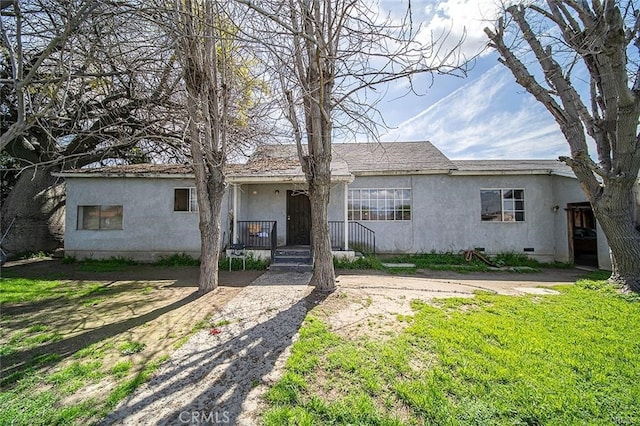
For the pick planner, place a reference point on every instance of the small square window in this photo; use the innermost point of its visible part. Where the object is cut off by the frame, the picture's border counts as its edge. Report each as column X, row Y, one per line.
column 185, row 200
column 502, row 205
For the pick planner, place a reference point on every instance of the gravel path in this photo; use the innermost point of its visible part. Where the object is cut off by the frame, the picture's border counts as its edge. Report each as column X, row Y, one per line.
column 219, row 378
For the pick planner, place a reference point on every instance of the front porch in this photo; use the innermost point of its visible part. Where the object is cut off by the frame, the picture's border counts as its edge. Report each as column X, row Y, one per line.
column 269, row 209
column 260, row 237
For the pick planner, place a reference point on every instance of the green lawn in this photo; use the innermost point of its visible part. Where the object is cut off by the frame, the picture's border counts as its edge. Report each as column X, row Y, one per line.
column 48, row 388
column 567, row 359
column 18, row 289
column 513, row 262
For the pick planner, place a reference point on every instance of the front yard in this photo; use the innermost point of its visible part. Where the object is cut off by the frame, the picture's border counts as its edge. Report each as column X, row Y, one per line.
column 382, row 350
column 74, row 342
column 565, row 359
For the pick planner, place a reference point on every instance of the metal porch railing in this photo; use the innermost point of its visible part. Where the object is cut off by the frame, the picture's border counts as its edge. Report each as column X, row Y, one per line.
column 361, row 238
column 258, row 234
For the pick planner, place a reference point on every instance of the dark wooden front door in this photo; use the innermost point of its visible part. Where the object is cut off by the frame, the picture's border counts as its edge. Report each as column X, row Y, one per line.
column 583, row 239
column 298, row 219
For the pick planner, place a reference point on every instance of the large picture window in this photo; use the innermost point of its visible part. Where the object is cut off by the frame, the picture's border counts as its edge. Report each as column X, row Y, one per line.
column 99, row 217
column 184, row 200
column 502, row 205
column 379, row 204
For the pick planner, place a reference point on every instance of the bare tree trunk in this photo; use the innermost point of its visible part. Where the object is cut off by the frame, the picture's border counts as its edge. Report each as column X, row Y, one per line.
column 204, row 62
column 324, row 278
column 37, row 205
column 210, row 188
column 615, row 215
column 210, row 236
column 209, row 204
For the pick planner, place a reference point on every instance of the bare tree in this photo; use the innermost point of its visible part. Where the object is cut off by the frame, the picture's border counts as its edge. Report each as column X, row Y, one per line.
column 23, row 66
column 571, row 36
column 219, row 104
column 324, row 54
column 79, row 86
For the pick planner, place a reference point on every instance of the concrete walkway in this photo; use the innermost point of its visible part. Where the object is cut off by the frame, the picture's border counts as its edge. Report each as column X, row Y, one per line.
column 215, row 377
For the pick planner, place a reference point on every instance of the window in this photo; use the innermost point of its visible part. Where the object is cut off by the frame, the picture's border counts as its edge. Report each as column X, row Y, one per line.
column 379, row 204
column 502, row 205
column 99, row 217
column 184, row 200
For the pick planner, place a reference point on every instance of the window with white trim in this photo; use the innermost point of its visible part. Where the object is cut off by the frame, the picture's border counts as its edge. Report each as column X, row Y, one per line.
column 379, row 204
column 184, row 200
column 99, row 218
column 502, row 205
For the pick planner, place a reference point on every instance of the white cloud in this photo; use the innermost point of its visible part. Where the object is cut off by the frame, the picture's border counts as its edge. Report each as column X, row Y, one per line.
column 459, row 19
column 486, row 118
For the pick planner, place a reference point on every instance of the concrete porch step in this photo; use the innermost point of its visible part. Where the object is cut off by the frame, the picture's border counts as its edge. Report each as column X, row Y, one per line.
column 291, row 266
column 293, row 252
column 292, row 259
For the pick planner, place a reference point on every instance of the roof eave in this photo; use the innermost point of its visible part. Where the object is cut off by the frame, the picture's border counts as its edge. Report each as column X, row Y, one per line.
column 454, row 172
column 239, row 179
column 400, row 172
column 125, row 175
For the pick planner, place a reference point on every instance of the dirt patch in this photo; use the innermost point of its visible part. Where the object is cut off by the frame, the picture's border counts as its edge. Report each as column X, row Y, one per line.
column 375, row 303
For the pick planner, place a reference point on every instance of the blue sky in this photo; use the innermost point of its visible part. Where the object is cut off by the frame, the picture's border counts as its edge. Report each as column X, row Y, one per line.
column 486, row 115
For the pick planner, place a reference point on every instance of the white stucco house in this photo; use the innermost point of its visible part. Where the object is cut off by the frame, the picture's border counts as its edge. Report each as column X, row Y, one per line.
column 399, row 197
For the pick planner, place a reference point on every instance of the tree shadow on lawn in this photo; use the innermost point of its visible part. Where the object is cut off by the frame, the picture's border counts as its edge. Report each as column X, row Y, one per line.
column 13, row 363
column 181, row 277
column 107, row 289
column 213, row 383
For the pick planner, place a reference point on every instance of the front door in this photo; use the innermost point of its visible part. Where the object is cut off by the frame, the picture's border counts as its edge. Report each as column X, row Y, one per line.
column 583, row 241
column 298, row 219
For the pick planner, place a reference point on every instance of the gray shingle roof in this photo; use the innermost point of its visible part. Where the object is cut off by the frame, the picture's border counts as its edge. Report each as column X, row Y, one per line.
column 392, row 156
column 281, row 161
column 137, row 169
column 372, row 157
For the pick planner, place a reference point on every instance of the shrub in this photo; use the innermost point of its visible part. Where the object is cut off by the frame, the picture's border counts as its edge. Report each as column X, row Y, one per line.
column 177, row 259
column 515, row 259
column 366, row 262
column 106, row 265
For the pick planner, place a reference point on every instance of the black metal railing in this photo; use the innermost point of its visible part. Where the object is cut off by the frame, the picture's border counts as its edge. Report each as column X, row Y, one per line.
column 258, row 234
column 361, row 238
column 336, row 234
column 274, row 240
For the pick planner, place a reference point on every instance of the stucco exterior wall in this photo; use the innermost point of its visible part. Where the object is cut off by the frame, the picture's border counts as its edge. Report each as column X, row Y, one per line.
column 446, row 215
column 150, row 229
